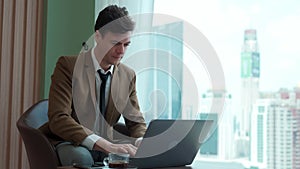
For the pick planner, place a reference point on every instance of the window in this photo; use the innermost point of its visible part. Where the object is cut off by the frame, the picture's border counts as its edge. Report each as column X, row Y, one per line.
column 250, row 38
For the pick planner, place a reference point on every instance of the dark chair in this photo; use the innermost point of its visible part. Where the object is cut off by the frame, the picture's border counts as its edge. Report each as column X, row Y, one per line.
column 40, row 152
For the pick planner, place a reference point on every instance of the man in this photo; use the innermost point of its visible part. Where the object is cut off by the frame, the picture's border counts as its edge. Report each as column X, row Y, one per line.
column 80, row 122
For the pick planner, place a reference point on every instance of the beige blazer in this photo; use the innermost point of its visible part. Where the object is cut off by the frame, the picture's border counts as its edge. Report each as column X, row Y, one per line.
column 72, row 101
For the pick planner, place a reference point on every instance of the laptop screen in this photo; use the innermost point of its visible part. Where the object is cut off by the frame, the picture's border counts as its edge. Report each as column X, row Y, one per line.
column 171, row 142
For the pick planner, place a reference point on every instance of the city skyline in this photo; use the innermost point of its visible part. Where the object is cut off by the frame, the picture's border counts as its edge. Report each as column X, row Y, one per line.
column 224, row 23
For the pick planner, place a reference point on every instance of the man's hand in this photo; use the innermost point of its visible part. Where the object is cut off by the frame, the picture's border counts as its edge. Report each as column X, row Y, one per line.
column 108, row 147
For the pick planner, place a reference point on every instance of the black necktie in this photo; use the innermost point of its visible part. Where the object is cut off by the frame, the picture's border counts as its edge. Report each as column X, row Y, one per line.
column 102, row 91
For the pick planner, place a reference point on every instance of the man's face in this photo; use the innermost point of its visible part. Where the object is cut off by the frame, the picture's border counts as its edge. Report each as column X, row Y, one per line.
column 112, row 47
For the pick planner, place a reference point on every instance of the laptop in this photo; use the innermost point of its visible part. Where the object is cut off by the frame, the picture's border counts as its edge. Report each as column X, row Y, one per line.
column 171, row 143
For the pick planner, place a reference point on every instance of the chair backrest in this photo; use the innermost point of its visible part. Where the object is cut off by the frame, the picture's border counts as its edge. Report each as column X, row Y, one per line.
column 40, row 152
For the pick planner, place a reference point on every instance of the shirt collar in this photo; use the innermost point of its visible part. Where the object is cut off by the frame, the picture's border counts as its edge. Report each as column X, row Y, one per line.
column 97, row 66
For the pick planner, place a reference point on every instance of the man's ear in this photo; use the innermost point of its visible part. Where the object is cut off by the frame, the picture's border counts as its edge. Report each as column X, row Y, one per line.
column 98, row 36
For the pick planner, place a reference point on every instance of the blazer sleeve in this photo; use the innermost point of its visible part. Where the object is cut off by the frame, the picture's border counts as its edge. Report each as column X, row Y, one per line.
column 61, row 122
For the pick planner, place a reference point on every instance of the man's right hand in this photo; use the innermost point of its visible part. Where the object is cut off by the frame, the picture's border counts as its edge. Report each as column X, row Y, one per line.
column 108, row 147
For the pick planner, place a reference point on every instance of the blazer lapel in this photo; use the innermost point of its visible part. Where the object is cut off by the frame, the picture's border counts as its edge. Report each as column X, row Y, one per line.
column 90, row 71
column 83, row 90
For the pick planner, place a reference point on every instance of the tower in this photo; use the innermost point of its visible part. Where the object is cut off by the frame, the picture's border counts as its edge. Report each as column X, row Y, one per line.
column 250, row 73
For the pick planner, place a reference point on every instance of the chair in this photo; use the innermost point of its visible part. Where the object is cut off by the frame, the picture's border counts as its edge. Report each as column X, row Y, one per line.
column 40, row 152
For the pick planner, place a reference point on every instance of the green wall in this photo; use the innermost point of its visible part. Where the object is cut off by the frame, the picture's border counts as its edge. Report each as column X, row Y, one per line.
column 67, row 24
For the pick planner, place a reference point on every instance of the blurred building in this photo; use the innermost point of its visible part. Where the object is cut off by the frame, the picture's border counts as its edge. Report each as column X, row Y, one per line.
column 283, row 130
column 275, row 131
column 157, row 60
column 220, row 143
column 250, row 73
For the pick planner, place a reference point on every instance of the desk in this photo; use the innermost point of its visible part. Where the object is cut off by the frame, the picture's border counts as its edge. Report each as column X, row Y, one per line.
column 201, row 164
column 195, row 165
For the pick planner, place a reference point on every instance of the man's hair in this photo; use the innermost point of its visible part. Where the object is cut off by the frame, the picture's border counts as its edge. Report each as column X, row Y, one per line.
column 114, row 19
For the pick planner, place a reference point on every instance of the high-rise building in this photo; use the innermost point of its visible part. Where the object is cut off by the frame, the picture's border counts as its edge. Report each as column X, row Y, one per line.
column 296, row 129
column 250, row 73
column 220, row 143
column 275, row 130
column 283, row 131
column 159, row 70
column 259, row 132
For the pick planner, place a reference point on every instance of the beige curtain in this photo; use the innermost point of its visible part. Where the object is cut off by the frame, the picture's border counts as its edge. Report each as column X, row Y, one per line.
column 21, row 60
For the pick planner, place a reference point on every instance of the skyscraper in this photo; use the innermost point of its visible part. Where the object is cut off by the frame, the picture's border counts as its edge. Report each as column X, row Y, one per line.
column 283, row 131
column 275, row 130
column 220, row 143
column 159, row 70
column 250, row 73
column 259, row 131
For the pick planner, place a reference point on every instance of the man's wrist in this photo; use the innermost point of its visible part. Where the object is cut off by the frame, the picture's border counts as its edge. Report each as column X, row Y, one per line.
column 90, row 141
column 102, row 145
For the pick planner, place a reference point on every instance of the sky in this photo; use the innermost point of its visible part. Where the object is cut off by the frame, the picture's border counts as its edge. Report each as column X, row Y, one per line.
column 223, row 22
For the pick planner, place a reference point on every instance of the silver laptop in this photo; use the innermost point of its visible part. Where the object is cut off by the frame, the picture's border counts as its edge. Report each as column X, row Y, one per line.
column 170, row 143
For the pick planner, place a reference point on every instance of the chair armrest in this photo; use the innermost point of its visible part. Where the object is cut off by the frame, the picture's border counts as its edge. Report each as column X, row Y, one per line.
column 37, row 145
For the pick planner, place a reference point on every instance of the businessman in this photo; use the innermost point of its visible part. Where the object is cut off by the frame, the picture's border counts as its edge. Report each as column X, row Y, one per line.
column 90, row 92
